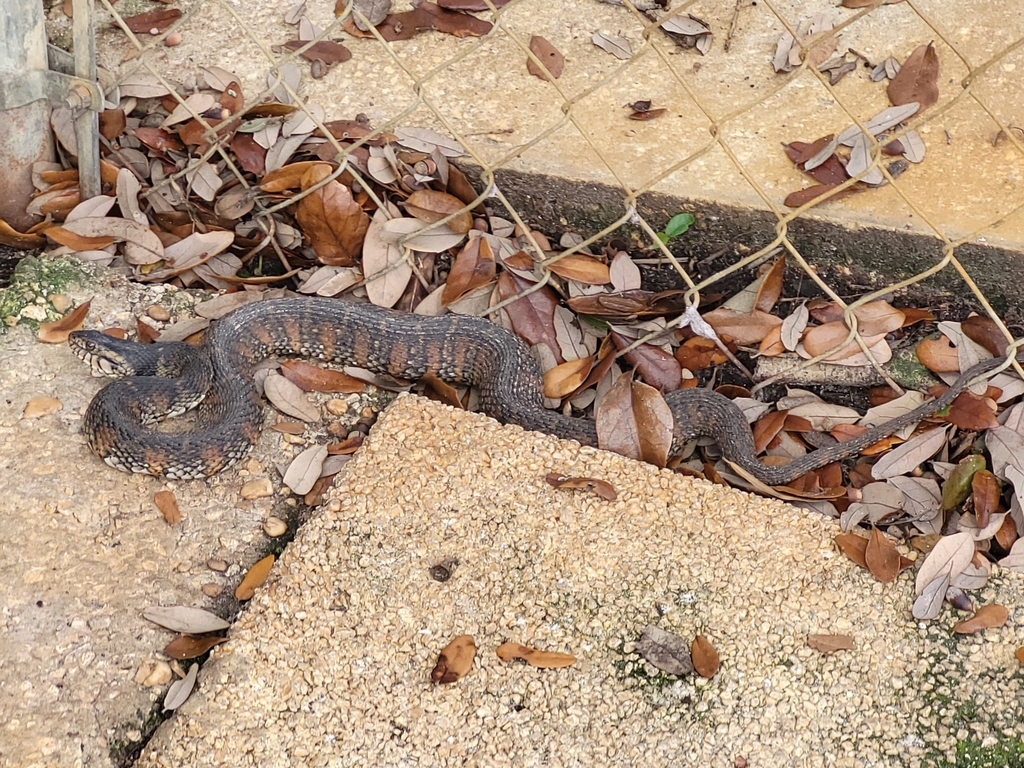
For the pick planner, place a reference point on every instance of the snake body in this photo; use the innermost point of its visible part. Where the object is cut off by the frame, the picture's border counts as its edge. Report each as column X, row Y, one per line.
column 160, row 380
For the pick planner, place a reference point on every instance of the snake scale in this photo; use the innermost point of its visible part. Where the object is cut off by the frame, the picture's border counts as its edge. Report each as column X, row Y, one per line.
column 160, row 380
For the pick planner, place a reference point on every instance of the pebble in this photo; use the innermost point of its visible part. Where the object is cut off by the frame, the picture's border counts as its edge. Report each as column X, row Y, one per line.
column 158, row 312
column 274, row 527
column 336, row 407
column 260, row 488
column 61, row 302
column 210, row 589
column 216, row 564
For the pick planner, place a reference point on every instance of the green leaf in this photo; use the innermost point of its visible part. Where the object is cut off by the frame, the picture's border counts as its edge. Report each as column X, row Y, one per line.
column 679, row 224
column 958, row 484
column 663, row 237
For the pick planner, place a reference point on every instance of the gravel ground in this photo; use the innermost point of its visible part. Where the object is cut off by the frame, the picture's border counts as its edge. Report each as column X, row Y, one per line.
column 330, row 665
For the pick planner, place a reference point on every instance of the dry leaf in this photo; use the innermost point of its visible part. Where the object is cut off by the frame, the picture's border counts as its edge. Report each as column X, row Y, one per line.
column 305, row 469
column 288, row 398
column 565, row 378
column 474, row 267
column 185, row 620
column 741, row 327
column 549, row 57
column 881, row 557
column 180, row 690
column 634, row 420
column 455, row 661
column 665, row 650
column 254, row 578
column 334, row 223
column 831, row 643
column 949, row 557
column 430, row 205
column 535, row 657
column 385, row 264
column 601, row 488
column 917, row 80
column 188, row 647
column 168, row 506
column 313, row 378
column 581, row 268
column 704, row 656
column 987, row 617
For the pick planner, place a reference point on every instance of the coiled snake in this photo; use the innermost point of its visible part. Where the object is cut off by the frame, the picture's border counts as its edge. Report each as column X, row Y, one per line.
column 167, row 379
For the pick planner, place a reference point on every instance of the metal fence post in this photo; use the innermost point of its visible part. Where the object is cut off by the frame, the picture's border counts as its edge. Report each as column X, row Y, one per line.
column 24, row 129
column 28, row 89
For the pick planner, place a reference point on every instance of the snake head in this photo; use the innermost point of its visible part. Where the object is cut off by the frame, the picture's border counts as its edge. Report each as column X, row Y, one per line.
column 104, row 354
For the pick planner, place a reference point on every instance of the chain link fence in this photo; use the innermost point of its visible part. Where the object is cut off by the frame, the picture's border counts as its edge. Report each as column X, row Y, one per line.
column 725, row 126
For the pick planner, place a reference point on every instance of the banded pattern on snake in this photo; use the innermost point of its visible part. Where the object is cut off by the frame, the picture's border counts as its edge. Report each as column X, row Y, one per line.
column 168, row 379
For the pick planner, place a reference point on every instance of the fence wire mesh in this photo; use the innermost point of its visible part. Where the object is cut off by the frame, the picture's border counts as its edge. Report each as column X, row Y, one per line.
column 728, row 111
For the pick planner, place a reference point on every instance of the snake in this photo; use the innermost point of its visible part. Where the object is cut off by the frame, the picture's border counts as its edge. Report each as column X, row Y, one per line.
column 153, row 382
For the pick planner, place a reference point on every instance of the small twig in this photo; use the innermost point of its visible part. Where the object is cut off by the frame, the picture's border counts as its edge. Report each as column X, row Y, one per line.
column 733, row 24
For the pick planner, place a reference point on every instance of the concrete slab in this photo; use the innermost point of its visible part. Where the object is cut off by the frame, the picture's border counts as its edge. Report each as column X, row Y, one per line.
column 330, row 664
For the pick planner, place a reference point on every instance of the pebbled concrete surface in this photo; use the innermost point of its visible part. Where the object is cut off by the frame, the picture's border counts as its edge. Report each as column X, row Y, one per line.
column 330, row 664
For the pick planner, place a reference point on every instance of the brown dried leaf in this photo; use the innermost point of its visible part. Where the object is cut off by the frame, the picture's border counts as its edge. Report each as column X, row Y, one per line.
column 474, row 267
column 334, row 223
column 658, row 368
column 603, row 489
column 972, row 412
column 766, row 429
column 168, row 506
column 917, row 80
column 549, row 56
column 881, row 557
column 532, row 315
column 430, row 205
column 634, row 420
column 704, row 656
column 58, row 331
column 771, row 286
column 455, row 661
column 698, row 353
column 986, row 491
column 938, row 355
column 254, row 578
column 1019, row 654
column 582, row 269
column 565, row 378
column 803, row 196
column 327, row 51
column 831, row 643
column 188, row 647
column 159, row 20
column 313, row 378
column 853, row 546
column 987, row 617
column 453, row 22
column 535, row 657
column 985, row 332
column 741, row 327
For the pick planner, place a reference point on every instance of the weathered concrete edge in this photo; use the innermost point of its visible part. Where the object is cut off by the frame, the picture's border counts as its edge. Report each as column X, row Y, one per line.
column 876, row 256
